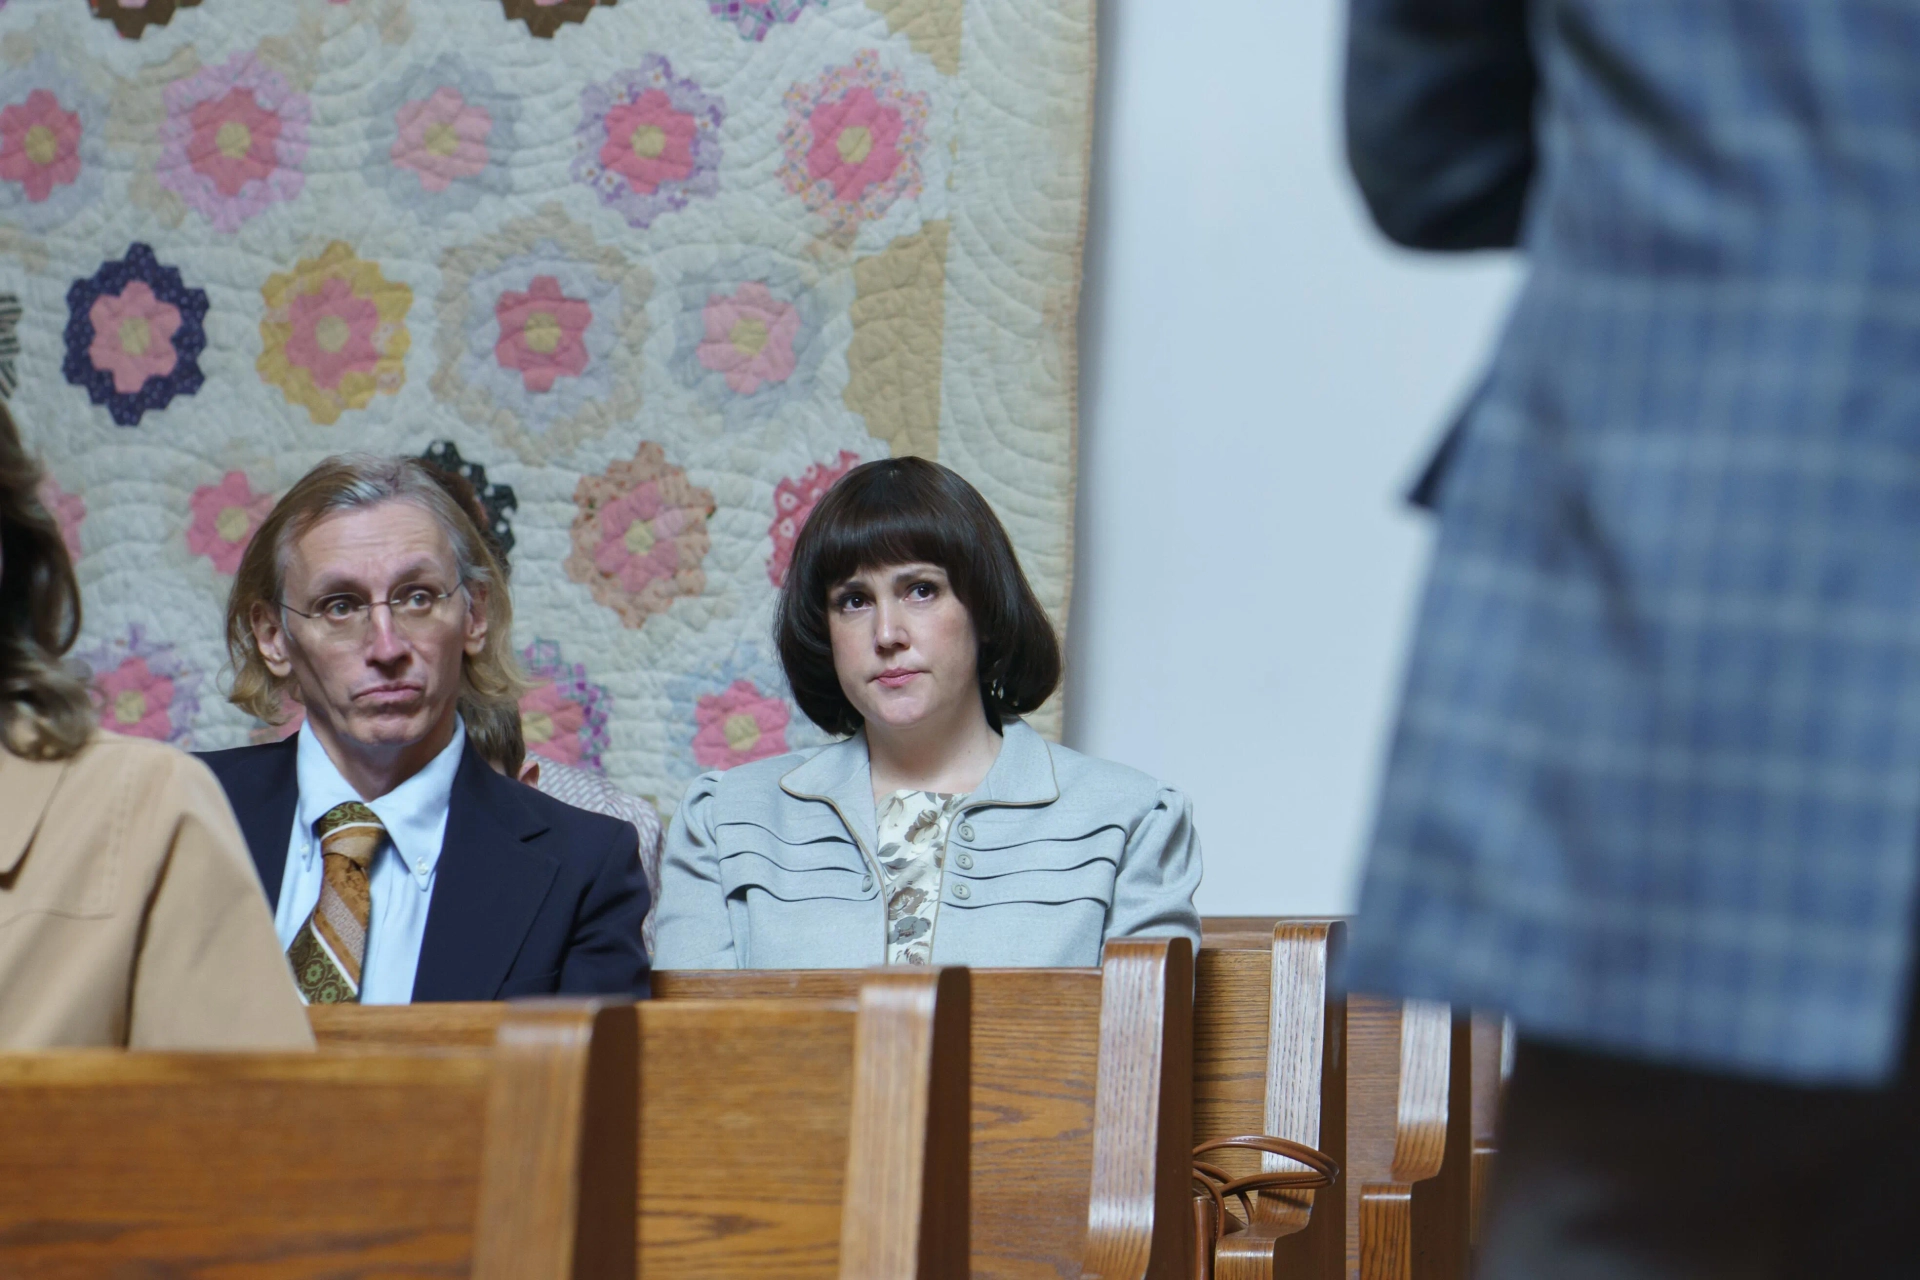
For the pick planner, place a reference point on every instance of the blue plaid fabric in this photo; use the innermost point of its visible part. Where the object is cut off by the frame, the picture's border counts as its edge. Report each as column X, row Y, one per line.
column 1655, row 784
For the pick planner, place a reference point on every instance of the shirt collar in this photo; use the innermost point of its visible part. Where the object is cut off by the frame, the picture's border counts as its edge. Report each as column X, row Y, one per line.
column 839, row 774
column 414, row 813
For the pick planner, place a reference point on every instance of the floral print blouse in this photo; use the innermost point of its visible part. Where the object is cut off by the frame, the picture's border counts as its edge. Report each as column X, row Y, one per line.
column 913, row 850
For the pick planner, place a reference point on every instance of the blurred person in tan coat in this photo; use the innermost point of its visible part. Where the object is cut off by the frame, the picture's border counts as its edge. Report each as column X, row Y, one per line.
column 130, row 913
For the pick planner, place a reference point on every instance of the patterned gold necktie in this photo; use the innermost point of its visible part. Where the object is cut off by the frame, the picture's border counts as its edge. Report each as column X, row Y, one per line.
column 327, row 952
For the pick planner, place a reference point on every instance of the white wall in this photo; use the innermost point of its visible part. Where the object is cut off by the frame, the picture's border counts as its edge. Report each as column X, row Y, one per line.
column 1261, row 376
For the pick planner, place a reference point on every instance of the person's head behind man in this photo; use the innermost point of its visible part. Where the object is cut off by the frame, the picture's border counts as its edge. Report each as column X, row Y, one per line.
column 369, row 596
column 495, row 731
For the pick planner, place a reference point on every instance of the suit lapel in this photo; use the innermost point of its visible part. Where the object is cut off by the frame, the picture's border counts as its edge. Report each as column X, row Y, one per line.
column 488, row 887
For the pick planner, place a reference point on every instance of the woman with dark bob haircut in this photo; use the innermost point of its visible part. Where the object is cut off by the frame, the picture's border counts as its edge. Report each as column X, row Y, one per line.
column 132, row 913
column 942, row 829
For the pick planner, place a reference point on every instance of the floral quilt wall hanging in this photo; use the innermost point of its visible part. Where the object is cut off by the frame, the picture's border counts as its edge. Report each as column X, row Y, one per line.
column 651, row 273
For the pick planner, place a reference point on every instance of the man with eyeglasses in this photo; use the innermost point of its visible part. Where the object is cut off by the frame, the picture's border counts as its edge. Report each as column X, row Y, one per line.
column 401, row 866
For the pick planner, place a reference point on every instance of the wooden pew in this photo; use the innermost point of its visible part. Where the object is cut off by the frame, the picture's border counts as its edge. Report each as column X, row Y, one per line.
column 1492, row 1041
column 1082, row 1124
column 1241, row 933
column 1269, row 1057
column 803, row 1138
column 1409, row 1140
column 483, row 1162
column 1409, row 1132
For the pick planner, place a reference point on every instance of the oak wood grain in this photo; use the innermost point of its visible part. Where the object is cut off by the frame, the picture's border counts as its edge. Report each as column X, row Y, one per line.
column 1035, row 1078
column 1269, row 1058
column 393, row 1026
column 1320, row 1251
column 1035, row 1061
column 1482, row 1179
column 1407, row 1109
column 1139, row 1223
column 1442, row 1205
column 905, row 1206
column 1386, row 1231
column 1244, row 933
column 743, row 1114
column 556, row 1195
column 1490, row 1031
column 1398, row 1076
column 1420, row 1131
column 372, row 1163
column 744, row 1127
column 755, row 1120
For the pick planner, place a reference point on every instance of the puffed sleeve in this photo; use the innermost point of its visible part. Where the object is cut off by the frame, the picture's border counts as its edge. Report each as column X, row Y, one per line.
column 209, row 973
column 693, row 930
column 1159, row 871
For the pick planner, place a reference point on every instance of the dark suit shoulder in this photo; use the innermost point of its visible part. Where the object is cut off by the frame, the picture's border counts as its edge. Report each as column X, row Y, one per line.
column 262, row 784
column 592, row 835
column 237, row 764
column 577, row 837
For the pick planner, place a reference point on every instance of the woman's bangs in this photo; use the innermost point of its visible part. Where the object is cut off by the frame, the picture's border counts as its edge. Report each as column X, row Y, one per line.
column 876, row 536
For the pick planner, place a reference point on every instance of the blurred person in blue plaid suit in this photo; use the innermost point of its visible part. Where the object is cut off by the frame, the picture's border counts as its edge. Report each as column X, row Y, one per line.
column 1655, row 783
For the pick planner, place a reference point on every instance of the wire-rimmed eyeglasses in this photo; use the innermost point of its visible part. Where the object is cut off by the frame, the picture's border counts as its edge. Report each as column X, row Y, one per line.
column 345, row 616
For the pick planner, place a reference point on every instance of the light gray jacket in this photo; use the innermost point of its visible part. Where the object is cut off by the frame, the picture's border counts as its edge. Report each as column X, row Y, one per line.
column 770, row 865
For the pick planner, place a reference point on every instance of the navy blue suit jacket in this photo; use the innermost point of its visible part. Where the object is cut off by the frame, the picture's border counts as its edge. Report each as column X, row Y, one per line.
column 531, row 896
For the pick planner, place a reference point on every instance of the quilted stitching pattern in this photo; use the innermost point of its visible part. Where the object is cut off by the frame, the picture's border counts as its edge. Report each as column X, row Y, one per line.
column 659, row 268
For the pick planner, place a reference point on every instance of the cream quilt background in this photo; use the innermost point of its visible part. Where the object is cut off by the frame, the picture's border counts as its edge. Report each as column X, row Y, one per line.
column 656, row 271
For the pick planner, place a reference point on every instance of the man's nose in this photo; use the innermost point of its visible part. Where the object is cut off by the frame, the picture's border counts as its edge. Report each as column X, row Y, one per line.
column 385, row 643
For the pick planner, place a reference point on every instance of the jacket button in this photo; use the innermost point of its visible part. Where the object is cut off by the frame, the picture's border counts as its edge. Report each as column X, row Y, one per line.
column 966, row 831
column 961, row 892
column 866, row 883
column 965, row 861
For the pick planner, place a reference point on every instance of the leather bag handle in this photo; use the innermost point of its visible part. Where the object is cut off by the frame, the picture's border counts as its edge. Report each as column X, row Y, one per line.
column 1321, row 1171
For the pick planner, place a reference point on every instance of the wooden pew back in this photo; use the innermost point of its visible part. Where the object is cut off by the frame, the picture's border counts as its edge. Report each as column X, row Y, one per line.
column 1492, row 1041
column 803, row 1138
column 401, row 1162
column 1411, row 1084
column 1396, row 1128
column 1269, row 1058
column 1241, row 933
column 1081, row 1107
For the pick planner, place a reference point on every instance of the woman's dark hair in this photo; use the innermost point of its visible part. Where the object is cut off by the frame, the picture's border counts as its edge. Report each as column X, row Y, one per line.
column 897, row 511
column 45, row 713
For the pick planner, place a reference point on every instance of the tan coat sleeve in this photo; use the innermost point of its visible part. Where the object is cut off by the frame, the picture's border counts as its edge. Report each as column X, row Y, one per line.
column 209, row 973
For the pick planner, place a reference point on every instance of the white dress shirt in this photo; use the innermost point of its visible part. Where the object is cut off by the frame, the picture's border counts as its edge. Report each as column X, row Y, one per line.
column 415, row 815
